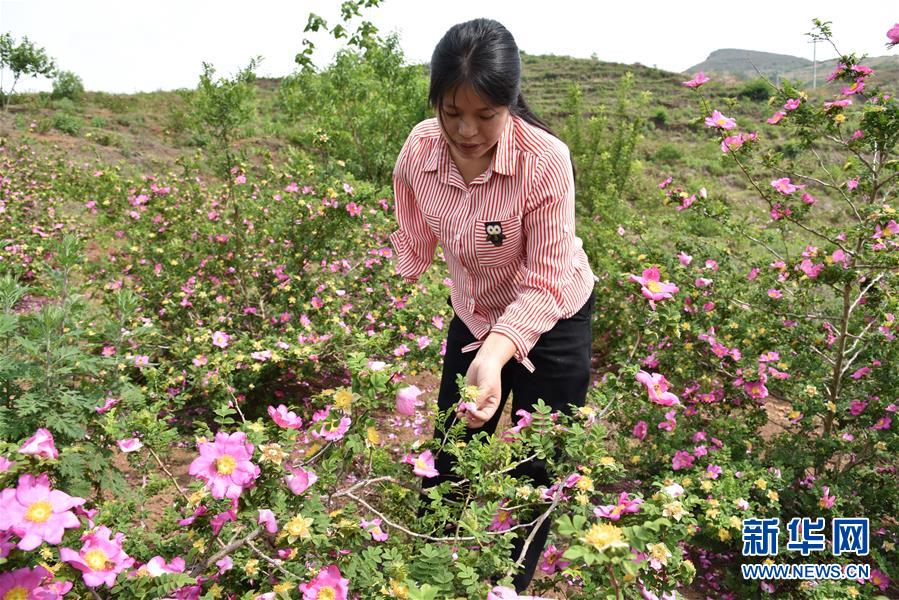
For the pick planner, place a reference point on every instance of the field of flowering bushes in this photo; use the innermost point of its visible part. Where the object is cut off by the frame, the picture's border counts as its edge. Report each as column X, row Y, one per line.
column 218, row 387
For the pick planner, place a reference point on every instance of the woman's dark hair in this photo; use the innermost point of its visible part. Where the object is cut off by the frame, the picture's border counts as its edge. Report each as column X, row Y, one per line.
column 483, row 53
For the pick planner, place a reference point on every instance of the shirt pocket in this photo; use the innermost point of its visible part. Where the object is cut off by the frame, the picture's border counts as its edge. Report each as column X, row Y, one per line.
column 433, row 222
column 497, row 241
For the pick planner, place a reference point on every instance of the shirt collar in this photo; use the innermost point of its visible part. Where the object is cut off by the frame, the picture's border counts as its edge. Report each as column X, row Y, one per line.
column 504, row 159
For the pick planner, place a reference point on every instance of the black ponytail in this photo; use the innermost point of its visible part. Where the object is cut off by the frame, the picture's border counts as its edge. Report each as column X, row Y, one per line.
column 482, row 53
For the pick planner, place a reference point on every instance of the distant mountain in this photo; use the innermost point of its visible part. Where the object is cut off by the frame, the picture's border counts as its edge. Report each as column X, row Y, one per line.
column 740, row 65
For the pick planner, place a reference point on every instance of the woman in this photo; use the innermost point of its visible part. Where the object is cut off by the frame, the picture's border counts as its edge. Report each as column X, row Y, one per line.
column 492, row 183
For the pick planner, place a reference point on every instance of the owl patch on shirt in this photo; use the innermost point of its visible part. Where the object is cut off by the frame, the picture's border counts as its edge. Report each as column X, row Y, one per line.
column 494, row 230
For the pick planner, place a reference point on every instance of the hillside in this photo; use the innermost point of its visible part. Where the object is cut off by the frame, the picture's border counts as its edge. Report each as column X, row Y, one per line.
column 741, row 65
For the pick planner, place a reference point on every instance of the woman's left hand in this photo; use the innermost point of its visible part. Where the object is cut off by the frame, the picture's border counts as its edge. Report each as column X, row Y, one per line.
column 487, row 375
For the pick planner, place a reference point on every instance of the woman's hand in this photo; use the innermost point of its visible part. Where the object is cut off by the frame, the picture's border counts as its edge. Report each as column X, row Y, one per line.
column 486, row 373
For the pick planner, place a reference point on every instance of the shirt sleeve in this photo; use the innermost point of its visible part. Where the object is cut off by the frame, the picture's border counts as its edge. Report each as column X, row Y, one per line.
column 413, row 241
column 548, row 226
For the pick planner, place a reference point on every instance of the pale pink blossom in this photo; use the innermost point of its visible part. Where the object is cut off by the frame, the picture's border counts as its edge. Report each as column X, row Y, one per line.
column 423, row 464
column 651, row 286
column 100, row 559
column 699, row 79
column 720, row 121
column 657, row 388
column 300, row 479
column 130, row 445
column 36, row 513
column 285, row 418
column 225, row 465
column 407, row 400
column 327, row 584
column 220, row 339
column 40, row 444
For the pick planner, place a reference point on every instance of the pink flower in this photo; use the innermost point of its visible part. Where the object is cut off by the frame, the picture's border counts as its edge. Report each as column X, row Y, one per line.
column 328, row 584
column 6, row 464
column 810, row 269
column 699, row 79
column 300, row 479
column 640, row 430
column 776, row 117
column 755, row 389
column 334, row 431
column 100, row 559
column 882, row 423
column 224, row 564
column 776, row 294
column 130, row 445
column 893, row 35
column 220, row 339
column 285, row 418
column 713, row 471
column 857, row 86
column 861, row 373
column 735, row 142
column 501, row 592
column 652, row 288
column 525, row 419
column 225, row 465
column 657, row 388
column 373, row 527
column 891, row 229
column 200, row 360
column 826, row 500
column 665, row 183
column 685, row 259
column 157, row 566
column 240, row 179
column 852, row 183
column 838, row 104
column 682, row 460
column 552, row 560
column 407, row 400
column 19, row 583
column 141, row 361
column 808, row 198
column 720, row 121
column 857, row 135
column 40, row 444
column 423, row 464
column 784, row 186
column 267, row 518
column 623, row 506
column 879, row 579
column 502, row 520
column 792, row 103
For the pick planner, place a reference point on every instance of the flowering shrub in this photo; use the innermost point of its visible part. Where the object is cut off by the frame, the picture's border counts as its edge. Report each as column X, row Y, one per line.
column 216, row 404
column 779, row 337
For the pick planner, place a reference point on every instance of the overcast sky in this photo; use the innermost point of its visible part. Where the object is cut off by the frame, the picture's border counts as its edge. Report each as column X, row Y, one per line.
column 136, row 45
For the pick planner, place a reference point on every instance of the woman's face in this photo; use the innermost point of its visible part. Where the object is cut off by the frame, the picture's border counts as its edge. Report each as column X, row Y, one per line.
column 472, row 125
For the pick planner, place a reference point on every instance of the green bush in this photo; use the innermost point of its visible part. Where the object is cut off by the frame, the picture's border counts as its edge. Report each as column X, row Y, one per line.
column 361, row 108
column 757, row 91
column 67, row 123
column 667, row 153
column 659, row 118
column 67, row 85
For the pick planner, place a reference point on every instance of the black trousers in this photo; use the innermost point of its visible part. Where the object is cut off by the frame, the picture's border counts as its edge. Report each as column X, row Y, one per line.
column 561, row 376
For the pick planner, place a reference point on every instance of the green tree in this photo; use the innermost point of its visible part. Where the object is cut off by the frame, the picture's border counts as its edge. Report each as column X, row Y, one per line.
column 67, row 85
column 23, row 58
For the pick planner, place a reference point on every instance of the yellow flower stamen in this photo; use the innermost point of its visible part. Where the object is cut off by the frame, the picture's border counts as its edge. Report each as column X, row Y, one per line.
column 39, row 512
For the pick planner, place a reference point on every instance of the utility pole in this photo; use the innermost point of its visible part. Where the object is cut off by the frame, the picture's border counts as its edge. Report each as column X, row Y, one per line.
column 814, row 44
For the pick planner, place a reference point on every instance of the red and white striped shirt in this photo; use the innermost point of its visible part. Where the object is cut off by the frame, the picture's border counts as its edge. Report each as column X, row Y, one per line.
column 508, row 237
